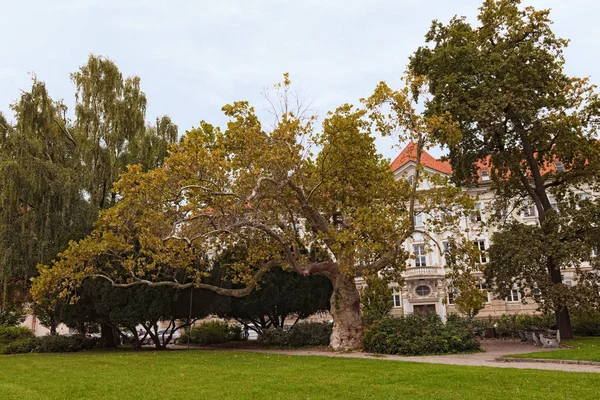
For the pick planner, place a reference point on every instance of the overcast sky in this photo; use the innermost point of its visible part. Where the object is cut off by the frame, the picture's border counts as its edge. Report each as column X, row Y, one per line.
column 195, row 56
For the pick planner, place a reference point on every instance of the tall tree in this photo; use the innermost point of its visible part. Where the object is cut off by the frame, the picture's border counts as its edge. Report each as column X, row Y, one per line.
column 338, row 214
column 503, row 81
column 41, row 204
column 110, row 114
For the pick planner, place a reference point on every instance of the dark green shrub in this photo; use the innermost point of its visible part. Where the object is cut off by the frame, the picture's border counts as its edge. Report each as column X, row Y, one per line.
column 20, row 346
column 60, row 344
column 509, row 325
column 10, row 334
column 417, row 335
column 586, row 324
column 304, row 334
column 212, row 333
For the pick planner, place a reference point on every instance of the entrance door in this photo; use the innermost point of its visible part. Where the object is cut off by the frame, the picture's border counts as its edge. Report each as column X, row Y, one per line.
column 424, row 309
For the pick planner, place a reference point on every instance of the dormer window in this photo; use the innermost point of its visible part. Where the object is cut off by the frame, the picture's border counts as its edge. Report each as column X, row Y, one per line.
column 485, row 175
column 559, row 167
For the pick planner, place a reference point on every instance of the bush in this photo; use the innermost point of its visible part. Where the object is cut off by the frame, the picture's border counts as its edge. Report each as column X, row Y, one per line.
column 9, row 334
column 586, row 324
column 212, row 333
column 416, row 335
column 49, row 344
column 509, row 325
column 301, row 335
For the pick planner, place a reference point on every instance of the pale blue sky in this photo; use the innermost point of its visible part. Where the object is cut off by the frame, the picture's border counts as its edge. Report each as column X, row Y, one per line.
column 195, row 56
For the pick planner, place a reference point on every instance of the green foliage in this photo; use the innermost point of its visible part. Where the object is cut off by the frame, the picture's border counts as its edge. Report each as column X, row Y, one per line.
column 418, row 335
column 304, row 334
column 211, row 333
column 586, row 324
column 510, row 325
column 50, row 344
column 375, row 300
column 282, row 294
column 12, row 333
column 503, row 82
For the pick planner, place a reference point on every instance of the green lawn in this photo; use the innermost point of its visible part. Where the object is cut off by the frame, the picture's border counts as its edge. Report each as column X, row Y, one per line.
column 201, row 374
column 583, row 349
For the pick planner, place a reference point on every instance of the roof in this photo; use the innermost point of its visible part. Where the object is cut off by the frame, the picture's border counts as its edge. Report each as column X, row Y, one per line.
column 410, row 154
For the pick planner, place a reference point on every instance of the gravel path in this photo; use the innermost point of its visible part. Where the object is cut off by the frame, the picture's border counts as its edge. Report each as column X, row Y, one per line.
column 493, row 349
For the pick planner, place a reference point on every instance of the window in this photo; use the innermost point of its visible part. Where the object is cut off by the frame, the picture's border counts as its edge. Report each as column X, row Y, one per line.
column 594, row 251
column 559, row 167
column 480, row 244
column 396, row 298
column 419, row 220
column 482, row 286
column 485, row 175
column 420, row 258
column 423, row 290
column 514, row 296
column 529, row 211
column 451, row 294
column 476, row 213
column 411, row 179
column 446, row 247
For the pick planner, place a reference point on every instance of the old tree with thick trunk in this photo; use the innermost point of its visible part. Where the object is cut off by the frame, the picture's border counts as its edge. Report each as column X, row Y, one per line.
column 316, row 202
column 534, row 128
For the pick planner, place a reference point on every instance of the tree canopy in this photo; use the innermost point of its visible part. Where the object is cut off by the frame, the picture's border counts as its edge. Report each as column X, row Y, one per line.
column 318, row 202
column 519, row 114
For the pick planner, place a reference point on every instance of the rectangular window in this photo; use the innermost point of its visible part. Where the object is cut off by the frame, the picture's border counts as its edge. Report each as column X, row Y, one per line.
column 485, row 175
column 451, row 296
column 446, row 247
column 482, row 286
column 476, row 213
column 420, row 258
column 514, row 296
column 481, row 246
column 529, row 211
column 419, row 220
column 594, row 251
column 396, row 297
column 559, row 167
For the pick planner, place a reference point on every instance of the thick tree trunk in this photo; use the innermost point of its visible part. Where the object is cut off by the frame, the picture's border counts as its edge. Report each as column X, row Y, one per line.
column 108, row 337
column 52, row 325
column 563, row 320
column 345, row 309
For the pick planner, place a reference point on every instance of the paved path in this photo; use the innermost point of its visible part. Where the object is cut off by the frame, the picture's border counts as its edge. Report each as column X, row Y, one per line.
column 493, row 349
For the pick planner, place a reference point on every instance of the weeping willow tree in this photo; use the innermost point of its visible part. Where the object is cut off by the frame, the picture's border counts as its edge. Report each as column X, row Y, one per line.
column 56, row 175
column 41, row 203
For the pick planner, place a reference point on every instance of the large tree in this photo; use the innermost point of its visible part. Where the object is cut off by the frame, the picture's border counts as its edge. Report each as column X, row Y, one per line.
column 503, row 82
column 338, row 213
column 55, row 174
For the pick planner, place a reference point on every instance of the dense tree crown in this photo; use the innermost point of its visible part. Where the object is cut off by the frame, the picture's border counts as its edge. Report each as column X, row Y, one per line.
column 519, row 115
column 56, row 173
column 338, row 212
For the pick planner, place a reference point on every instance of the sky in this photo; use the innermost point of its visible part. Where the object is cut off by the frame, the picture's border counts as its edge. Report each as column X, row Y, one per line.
column 193, row 57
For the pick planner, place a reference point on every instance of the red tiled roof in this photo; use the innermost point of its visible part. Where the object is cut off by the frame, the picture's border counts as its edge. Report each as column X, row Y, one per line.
column 410, row 154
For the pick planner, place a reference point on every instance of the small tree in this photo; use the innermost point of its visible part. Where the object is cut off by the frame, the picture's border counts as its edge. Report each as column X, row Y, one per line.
column 463, row 260
column 375, row 299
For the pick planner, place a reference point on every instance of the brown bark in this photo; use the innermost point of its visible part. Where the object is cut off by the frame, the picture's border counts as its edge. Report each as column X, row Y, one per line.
column 345, row 309
column 108, row 337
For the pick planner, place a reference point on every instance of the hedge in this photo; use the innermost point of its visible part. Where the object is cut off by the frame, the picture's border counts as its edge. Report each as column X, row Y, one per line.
column 413, row 335
column 212, row 333
column 303, row 334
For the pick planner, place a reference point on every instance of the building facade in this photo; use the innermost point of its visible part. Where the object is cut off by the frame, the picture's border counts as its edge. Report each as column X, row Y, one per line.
column 426, row 288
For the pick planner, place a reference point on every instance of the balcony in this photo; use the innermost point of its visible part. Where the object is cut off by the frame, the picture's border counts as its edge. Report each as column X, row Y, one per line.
column 424, row 272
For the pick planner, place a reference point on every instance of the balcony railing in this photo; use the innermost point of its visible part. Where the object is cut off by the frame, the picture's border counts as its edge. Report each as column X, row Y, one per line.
column 412, row 272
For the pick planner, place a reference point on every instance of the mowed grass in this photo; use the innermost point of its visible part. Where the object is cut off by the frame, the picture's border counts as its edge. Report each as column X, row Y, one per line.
column 199, row 374
column 582, row 349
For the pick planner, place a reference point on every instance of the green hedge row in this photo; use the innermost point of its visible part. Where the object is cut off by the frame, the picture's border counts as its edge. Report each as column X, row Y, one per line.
column 212, row 333
column 15, row 340
column 509, row 325
column 303, row 334
column 413, row 335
